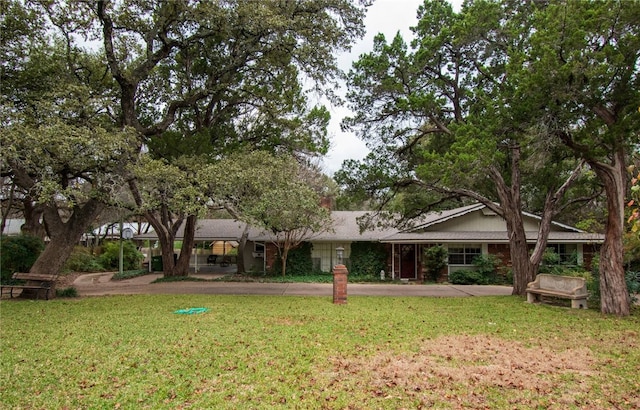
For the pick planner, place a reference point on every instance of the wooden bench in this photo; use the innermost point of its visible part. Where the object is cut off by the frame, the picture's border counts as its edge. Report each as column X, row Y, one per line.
column 566, row 287
column 34, row 281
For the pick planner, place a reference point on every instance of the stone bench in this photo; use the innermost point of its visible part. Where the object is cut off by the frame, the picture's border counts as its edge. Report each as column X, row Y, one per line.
column 565, row 287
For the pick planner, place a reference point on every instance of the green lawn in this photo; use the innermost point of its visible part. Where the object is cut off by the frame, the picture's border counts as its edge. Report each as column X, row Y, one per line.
column 133, row 352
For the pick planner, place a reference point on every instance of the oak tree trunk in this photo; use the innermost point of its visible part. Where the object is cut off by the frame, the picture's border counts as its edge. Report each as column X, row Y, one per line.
column 188, row 240
column 241, row 246
column 64, row 236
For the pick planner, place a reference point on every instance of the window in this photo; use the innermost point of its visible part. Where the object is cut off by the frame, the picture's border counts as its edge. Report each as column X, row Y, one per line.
column 258, row 247
column 463, row 254
column 566, row 252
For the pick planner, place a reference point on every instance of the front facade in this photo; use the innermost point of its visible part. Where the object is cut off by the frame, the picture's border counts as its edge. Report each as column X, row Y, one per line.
column 474, row 230
column 465, row 232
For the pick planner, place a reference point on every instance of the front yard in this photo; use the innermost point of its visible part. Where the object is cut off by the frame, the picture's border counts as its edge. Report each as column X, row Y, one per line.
column 296, row 352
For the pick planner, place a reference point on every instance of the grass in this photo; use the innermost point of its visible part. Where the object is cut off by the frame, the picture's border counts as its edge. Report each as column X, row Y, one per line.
column 304, row 352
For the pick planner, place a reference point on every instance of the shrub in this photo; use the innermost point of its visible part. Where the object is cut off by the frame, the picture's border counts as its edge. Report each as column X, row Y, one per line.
column 487, row 267
column 633, row 285
column 81, row 260
column 467, row 277
column 367, row 259
column 486, row 272
column 129, row 274
column 110, row 257
column 18, row 253
column 299, row 262
column 435, row 259
column 69, row 292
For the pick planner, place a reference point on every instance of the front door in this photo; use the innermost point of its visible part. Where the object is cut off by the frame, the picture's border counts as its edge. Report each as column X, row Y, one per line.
column 408, row 261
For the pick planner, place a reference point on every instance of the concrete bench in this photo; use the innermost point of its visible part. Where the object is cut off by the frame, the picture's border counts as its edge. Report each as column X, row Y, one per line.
column 565, row 287
column 34, row 281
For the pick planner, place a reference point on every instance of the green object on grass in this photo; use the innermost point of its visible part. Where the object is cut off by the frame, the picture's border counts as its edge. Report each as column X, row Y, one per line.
column 191, row 311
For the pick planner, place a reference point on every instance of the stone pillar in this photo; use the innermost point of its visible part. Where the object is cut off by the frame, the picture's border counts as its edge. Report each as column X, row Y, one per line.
column 340, row 274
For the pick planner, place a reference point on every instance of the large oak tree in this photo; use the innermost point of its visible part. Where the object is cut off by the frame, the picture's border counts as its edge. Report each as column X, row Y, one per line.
column 226, row 73
column 58, row 143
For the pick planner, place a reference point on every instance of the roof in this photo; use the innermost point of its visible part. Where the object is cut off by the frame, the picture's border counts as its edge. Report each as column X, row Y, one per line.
column 434, row 218
column 345, row 228
column 492, row 236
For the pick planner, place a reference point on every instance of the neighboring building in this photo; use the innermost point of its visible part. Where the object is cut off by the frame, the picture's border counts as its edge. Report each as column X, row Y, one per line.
column 465, row 232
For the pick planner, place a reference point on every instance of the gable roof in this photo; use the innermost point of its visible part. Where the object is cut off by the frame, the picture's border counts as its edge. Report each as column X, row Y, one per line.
column 434, row 218
column 345, row 228
column 478, row 224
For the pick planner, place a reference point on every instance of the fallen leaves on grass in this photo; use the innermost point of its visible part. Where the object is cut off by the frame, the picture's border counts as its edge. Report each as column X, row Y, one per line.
column 474, row 370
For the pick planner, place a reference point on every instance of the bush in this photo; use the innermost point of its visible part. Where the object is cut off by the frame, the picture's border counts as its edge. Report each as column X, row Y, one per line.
column 110, row 258
column 487, row 267
column 17, row 254
column 81, row 260
column 467, row 277
column 299, row 262
column 435, row 259
column 69, row 292
column 367, row 259
column 486, row 272
column 633, row 285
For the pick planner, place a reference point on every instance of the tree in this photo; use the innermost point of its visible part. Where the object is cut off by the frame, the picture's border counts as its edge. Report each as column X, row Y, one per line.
column 582, row 76
column 58, row 145
column 274, row 194
column 170, row 194
column 443, row 127
column 229, row 70
column 292, row 212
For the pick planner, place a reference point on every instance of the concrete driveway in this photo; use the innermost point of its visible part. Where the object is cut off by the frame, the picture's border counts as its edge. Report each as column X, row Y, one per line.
column 97, row 284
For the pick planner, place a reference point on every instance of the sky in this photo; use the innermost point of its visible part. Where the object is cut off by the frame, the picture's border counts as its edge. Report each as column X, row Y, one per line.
column 387, row 17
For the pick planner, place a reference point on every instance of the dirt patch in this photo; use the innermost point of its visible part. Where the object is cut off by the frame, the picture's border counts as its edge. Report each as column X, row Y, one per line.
column 66, row 280
column 466, row 369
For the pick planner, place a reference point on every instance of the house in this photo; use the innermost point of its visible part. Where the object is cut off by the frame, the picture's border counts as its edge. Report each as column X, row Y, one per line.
column 465, row 232
column 474, row 230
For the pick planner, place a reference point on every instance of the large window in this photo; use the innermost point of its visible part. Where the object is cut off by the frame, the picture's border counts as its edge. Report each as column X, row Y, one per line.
column 568, row 253
column 463, row 254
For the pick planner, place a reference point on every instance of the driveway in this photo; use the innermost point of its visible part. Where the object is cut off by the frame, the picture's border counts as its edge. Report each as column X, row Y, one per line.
column 97, row 284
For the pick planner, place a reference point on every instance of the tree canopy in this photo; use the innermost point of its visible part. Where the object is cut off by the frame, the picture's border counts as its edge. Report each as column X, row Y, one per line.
column 191, row 80
column 478, row 107
column 277, row 194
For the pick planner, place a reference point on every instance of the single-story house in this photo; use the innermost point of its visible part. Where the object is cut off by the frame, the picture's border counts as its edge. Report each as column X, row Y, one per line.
column 465, row 232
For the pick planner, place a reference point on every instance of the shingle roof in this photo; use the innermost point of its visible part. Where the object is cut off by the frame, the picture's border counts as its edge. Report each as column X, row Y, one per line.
column 490, row 236
column 346, row 229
